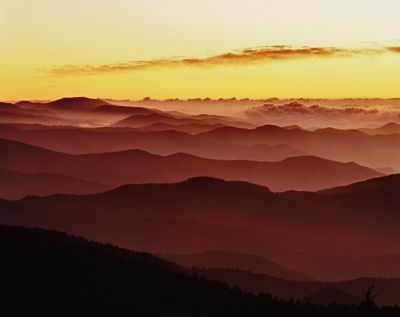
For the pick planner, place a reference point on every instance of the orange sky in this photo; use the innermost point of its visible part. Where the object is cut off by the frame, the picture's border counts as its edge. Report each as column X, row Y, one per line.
column 199, row 48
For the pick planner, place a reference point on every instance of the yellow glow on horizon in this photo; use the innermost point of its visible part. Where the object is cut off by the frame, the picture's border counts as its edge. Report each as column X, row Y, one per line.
column 42, row 34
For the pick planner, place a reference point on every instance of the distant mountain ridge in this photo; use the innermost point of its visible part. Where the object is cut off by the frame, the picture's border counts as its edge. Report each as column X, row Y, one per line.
column 377, row 198
column 137, row 166
column 76, row 103
column 388, row 128
column 224, row 259
column 16, row 185
column 225, row 142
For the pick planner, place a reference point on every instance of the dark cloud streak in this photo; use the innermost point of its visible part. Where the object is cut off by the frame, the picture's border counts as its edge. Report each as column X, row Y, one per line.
column 241, row 57
column 394, row 49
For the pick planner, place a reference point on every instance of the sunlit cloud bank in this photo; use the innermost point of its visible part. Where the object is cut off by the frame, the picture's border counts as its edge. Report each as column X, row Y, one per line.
column 309, row 116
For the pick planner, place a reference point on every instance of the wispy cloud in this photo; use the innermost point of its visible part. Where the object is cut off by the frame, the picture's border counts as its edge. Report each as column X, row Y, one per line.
column 240, row 57
column 394, row 49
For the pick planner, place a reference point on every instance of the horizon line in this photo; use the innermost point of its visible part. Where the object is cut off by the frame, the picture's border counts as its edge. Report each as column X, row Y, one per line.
column 204, row 99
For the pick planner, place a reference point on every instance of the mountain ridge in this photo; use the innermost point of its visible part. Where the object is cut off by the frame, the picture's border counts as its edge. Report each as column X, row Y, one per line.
column 138, row 166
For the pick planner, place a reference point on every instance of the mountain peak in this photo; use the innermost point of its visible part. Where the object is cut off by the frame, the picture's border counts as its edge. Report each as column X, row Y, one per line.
column 77, row 102
column 230, row 185
column 269, row 127
column 391, row 125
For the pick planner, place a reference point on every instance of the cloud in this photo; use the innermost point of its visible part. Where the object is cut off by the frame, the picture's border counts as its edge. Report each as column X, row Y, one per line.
column 240, row 57
column 317, row 115
column 394, row 49
column 296, row 108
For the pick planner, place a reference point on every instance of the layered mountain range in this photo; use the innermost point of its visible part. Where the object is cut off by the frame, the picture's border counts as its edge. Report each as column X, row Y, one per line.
column 309, row 213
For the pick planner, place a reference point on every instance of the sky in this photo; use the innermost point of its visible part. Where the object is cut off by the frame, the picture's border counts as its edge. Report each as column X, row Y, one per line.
column 130, row 49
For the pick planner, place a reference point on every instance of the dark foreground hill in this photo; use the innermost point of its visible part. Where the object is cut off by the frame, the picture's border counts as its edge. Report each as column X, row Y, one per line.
column 349, row 291
column 374, row 202
column 47, row 273
column 300, row 230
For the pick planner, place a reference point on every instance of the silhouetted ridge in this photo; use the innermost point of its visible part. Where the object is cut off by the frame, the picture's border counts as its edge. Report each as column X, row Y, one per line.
column 16, row 185
column 270, row 128
column 390, row 182
column 202, row 199
column 112, row 109
column 348, row 132
column 311, row 159
column 8, row 106
column 348, row 291
column 235, row 260
column 327, row 296
column 11, row 147
column 217, row 182
column 200, row 184
column 183, row 155
column 133, row 153
column 55, row 274
column 24, row 102
column 388, row 128
column 77, row 103
column 138, row 166
column 391, row 125
column 203, row 183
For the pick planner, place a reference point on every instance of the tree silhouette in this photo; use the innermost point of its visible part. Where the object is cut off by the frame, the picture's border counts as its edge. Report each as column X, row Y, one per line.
column 370, row 297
